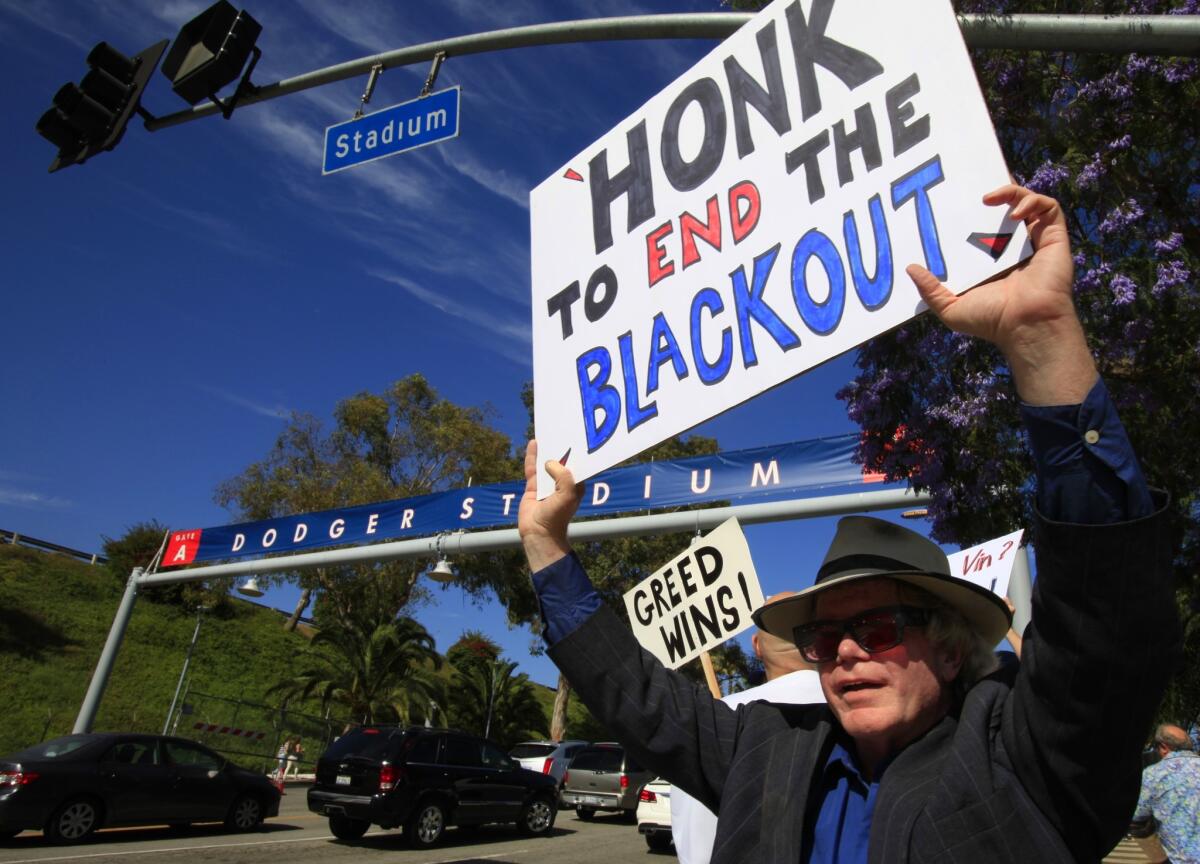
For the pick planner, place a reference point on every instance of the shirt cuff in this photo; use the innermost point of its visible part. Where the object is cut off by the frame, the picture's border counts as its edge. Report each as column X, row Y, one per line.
column 1087, row 471
column 566, row 597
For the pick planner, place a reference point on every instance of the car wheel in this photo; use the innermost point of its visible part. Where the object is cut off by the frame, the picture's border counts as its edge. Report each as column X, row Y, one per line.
column 246, row 814
column 426, row 825
column 659, row 842
column 584, row 813
column 345, row 828
column 537, row 818
column 73, row 821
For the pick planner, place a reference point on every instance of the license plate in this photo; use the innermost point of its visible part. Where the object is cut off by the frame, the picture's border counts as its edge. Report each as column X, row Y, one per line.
column 343, row 780
column 592, row 799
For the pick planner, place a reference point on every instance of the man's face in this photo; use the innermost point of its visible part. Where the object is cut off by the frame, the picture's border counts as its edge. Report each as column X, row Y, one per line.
column 885, row 700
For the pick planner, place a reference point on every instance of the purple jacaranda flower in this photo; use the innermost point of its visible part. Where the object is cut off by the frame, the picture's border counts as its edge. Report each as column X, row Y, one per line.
column 1170, row 275
column 1047, row 177
column 1093, row 278
column 1124, row 290
column 1090, row 173
column 1121, row 217
column 1172, row 242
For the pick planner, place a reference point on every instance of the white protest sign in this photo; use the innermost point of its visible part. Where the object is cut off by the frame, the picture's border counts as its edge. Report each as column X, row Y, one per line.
column 754, row 219
column 701, row 598
column 988, row 564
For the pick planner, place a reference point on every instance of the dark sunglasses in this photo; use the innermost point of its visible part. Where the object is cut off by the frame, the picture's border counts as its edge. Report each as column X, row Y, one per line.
column 874, row 630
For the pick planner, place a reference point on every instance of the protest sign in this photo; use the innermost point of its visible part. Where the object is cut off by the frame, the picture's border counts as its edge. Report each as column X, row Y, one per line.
column 701, row 598
column 989, row 564
column 754, row 219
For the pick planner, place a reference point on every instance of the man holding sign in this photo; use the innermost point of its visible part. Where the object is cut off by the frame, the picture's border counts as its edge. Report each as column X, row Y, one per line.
column 922, row 752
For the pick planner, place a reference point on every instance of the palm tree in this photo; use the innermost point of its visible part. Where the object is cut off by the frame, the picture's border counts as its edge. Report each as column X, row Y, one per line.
column 486, row 698
column 377, row 670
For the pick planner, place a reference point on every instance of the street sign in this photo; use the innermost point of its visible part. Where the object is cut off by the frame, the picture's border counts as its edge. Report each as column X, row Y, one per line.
column 393, row 130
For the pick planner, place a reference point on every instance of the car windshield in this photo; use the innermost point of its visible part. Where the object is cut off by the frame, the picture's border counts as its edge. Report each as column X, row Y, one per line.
column 56, row 747
column 598, row 759
column 369, row 743
column 531, row 751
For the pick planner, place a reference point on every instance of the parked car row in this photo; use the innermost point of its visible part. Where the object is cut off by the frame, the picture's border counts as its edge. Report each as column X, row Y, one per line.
column 415, row 778
column 70, row 786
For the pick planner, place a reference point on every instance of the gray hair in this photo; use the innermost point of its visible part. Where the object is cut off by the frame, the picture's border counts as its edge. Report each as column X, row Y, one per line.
column 949, row 630
column 1172, row 737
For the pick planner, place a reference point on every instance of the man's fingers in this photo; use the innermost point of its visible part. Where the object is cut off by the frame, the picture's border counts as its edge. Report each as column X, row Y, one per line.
column 560, row 474
column 531, row 451
column 933, row 292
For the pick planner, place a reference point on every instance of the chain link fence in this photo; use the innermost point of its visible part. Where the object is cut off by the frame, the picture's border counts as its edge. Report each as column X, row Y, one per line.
column 252, row 734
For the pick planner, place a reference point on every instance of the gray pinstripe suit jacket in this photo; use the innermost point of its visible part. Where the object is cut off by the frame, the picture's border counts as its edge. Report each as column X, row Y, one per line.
column 1040, row 763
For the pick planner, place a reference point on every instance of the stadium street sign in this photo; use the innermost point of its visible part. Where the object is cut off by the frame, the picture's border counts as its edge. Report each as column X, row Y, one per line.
column 393, row 130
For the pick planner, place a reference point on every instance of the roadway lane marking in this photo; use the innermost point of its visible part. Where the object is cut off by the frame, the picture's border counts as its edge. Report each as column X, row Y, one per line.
column 251, row 843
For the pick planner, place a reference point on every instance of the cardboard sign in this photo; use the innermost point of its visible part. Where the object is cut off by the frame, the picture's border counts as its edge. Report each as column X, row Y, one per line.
column 754, row 219
column 988, row 564
column 701, row 598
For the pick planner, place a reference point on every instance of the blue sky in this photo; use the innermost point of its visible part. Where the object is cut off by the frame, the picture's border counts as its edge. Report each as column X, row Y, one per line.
column 169, row 304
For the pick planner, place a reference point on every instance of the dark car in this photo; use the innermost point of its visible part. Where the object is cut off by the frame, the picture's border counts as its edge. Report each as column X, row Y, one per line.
column 70, row 786
column 604, row 777
column 424, row 780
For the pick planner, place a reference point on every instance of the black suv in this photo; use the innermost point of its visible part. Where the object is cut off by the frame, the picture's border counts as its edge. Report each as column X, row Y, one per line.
column 425, row 779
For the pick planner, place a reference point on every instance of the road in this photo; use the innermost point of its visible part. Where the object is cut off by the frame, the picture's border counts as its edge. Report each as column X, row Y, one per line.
column 299, row 837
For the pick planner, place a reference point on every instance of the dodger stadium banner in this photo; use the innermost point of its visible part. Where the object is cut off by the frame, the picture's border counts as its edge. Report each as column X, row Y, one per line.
column 795, row 468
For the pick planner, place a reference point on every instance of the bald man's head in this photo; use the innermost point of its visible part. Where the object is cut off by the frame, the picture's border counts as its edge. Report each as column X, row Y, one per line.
column 778, row 656
column 1172, row 737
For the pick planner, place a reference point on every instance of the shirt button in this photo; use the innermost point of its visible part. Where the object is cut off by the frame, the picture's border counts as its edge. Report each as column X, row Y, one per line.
column 1091, row 436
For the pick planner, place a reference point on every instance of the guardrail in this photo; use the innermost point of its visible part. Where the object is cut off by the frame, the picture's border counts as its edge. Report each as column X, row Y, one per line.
column 46, row 546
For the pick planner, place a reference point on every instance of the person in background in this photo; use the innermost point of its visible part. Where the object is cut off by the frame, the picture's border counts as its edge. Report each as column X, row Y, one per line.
column 1171, row 794
column 285, row 748
column 293, row 758
column 790, row 680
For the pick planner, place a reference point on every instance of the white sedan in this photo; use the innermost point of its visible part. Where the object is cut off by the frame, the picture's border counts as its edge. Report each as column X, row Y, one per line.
column 654, row 815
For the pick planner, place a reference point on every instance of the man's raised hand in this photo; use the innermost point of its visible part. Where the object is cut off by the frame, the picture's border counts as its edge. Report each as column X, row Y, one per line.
column 543, row 524
column 1029, row 313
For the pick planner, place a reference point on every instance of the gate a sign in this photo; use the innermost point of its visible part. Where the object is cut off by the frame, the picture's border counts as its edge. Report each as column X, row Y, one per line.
column 754, row 220
column 700, row 599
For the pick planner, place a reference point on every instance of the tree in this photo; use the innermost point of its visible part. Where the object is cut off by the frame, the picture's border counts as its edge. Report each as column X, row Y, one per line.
column 403, row 442
column 373, row 666
column 614, row 566
column 1113, row 137
column 487, row 698
column 137, row 547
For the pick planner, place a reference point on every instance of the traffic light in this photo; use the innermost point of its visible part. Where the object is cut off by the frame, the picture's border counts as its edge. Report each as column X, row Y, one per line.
column 91, row 116
column 209, row 53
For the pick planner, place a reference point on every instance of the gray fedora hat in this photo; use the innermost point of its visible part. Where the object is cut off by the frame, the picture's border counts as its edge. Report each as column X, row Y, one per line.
column 867, row 548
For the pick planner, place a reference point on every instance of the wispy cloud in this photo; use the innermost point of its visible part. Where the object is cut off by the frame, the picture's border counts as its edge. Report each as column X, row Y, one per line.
column 23, row 498
column 510, row 337
column 276, row 411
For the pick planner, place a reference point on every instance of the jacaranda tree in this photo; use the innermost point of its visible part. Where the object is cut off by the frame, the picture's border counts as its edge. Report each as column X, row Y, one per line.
column 1113, row 137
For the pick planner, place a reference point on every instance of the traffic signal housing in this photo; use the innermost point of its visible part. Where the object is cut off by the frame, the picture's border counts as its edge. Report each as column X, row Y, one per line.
column 209, row 53
column 91, row 116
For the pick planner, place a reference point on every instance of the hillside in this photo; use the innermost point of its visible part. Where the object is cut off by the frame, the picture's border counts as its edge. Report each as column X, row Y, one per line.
column 55, row 614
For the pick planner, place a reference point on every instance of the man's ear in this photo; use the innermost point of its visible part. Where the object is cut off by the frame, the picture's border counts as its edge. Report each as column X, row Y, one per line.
column 756, row 644
column 950, row 661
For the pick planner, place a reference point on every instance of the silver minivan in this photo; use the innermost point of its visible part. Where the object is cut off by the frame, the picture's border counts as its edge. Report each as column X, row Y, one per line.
column 604, row 777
